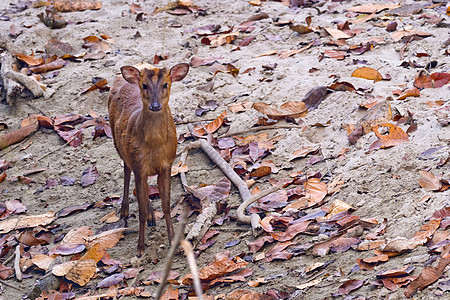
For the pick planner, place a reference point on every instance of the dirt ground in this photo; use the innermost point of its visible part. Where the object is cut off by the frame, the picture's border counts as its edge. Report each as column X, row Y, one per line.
column 380, row 184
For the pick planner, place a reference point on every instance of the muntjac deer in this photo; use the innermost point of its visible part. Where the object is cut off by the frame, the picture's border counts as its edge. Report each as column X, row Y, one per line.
column 145, row 137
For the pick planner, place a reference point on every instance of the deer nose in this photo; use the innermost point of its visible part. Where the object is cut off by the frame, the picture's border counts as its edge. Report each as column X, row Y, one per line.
column 155, row 106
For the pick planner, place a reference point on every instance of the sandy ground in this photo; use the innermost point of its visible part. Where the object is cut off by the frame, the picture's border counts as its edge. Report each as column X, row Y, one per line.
column 380, row 184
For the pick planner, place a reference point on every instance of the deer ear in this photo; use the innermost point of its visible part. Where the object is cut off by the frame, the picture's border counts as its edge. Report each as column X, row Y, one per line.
column 178, row 72
column 130, row 74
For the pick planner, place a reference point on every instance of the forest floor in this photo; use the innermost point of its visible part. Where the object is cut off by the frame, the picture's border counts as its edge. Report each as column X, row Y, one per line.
column 247, row 63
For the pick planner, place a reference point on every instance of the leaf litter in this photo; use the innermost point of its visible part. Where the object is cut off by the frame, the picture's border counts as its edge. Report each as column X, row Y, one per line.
column 312, row 217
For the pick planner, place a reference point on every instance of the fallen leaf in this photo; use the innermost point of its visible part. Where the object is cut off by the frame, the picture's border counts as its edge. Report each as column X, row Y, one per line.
column 314, row 97
column 82, row 272
column 372, row 8
column 339, row 55
column 290, row 109
column 304, row 152
column 89, row 176
column 434, row 80
column 337, row 34
column 17, row 135
column 289, row 53
column 396, row 135
column 5, row 272
column 42, row 261
column 427, row 276
column 309, row 284
column 367, row 73
column 428, row 181
column 66, row 211
column 338, row 206
column 349, row 286
column 211, row 127
column 398, row 35
column 290, row 232
column 44, row 68
column 412, row 92
column 76, row 5
column 27, row 222
column 106, row 239
column 30, row 60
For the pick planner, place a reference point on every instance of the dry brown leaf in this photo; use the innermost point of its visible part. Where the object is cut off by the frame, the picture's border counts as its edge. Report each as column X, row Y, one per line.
column 428, row 181
column 426, row 232
column 268, row 53
column 30, row 60
column 240, row 107
column 27, row 222
column 17, row 135
column 64, row 268
column 372, row 8
column 51, row 66
column 106, row 239
column 110, row 218
column 286, row 54
column 304, row 152
column 42, row 261
column 290, row 109
column 337, row 34
column 338, row 206
column 412, row 92
column 309, row 284
column 367, row 73
column 427, row 276
column 82, row 271
column 398, row 35
column 95, row 253
column 77, row 235
column 76, row 5
column 211, row 127
column 180, row 167
column 376, row 115
column 434, row 80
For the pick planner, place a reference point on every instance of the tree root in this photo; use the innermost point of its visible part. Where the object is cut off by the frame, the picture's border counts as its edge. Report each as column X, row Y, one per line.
column 209, row 209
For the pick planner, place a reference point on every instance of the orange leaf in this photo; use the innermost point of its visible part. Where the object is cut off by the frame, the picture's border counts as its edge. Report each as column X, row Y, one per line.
column 427, row 230
column 395, row 137
column 412, row 92
column 82, row 271
column 367, row 73
column 210, row 127
column 261, row 171
column 30, row 60
column 18, row 135
column 54, row 65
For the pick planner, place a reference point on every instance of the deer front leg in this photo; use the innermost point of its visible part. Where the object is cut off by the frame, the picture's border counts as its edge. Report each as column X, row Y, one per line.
column 124, row 209
column 164, row 181
column 143, row 203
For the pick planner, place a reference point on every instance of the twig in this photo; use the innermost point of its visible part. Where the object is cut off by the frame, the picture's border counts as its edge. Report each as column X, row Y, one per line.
column 10, row 149
column 169, row 260
column 269, row 127
column 193, row 121
column 8, row 259
column 241, row 209
column 59, row 148
column 187, row 247
column 17, row 264
column 12, row 286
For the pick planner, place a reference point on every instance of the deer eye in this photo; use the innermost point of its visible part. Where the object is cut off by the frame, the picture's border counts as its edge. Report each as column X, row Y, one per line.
column 144, row 86
column 165, row 85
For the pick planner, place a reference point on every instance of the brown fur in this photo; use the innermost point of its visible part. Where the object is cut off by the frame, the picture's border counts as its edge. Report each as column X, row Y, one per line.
column 145, row 137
